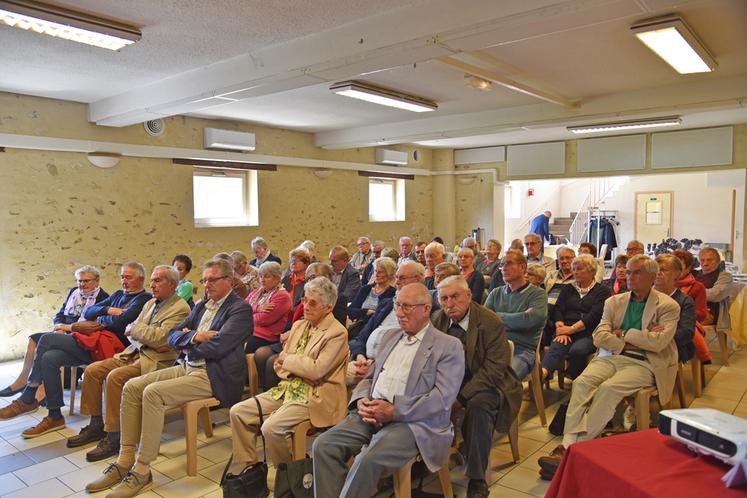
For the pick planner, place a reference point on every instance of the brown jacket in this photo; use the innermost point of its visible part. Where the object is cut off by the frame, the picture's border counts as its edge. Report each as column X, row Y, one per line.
column 322, row 366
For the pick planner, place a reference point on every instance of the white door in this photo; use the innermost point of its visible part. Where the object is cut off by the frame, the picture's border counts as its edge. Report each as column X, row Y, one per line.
column 653, row 216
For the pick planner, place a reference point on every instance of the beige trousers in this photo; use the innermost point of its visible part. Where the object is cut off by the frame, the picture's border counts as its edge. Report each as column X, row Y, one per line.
column 145, row 400
column 599, row 389
column 116, row 373
column 280, row 421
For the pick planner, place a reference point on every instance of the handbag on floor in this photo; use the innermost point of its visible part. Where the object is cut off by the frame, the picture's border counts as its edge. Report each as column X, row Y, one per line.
column 295, row 479
column 252, row 481
column 558, row 421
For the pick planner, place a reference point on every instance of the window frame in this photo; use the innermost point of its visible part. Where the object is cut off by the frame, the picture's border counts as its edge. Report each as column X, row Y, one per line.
column 398, row 198
column 250, row 216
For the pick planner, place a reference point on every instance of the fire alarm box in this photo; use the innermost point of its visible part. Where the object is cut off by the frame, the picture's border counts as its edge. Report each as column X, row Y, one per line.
column 530, row 192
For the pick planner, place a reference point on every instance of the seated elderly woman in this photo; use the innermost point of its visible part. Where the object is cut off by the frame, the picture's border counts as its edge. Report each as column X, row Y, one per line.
column 474, row 279
column 536, row 274
column 387, row 252
column 589, row 248
column 618, row 283
column 492, row 261
column 312, row 387
column 365, row 301
column 87, row 293
column 670, row 269
column 576, row 314
column 690, row 286
column 294, row 281
column 271, row 306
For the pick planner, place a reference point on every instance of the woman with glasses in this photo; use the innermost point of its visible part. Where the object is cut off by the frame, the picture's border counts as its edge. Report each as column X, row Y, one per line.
column 271, row 306
column 294, row 281
column 87, row 293
column 367, row 298
column 474, row 279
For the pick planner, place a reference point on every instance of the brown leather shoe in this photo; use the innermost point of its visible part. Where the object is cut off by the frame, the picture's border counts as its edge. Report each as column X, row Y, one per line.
column 549, row 464
column 16, row 408
column 103, row 450
column 48, row 424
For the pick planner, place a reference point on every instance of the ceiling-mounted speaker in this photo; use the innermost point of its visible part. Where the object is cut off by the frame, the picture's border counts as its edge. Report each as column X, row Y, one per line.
column 155, row 127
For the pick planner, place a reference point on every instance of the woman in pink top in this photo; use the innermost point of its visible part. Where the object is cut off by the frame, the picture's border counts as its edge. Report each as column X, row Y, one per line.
column 271, row 304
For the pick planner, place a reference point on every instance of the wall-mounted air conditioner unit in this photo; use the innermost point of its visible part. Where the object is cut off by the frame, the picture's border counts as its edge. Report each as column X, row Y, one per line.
column 229, row 140
column 391, row 157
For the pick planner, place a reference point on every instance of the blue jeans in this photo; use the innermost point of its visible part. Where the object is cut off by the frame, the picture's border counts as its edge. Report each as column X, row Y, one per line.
column 52, row 352
column 577, row 351
column 523, row 361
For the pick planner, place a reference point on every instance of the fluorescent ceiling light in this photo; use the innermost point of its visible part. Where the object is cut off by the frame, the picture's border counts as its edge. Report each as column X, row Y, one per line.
column 626, row 125
column 673, row 41
column 383, row 96
column 67, row 24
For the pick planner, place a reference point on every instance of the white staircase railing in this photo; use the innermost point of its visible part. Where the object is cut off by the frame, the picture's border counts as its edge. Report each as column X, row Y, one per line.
column 580, row 222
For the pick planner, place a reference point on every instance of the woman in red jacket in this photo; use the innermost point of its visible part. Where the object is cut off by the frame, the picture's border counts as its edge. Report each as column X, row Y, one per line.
column 695, row 290
column 271, row 305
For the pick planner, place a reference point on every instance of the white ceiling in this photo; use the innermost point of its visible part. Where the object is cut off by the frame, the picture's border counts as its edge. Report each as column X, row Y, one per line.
column 275, row 62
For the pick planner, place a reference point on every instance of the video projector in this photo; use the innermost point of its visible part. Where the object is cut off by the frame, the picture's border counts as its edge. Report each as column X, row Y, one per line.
column 707, row 431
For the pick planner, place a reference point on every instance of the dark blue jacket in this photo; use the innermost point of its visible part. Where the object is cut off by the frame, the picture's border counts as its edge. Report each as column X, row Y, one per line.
column 541, row 226
column 223, row 353
column 358, row 345
column 356, row 312
column 683, row 337
column 131, row 303
column 61, row 317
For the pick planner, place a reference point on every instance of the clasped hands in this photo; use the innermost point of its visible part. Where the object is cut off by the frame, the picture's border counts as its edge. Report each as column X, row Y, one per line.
column 375, row 412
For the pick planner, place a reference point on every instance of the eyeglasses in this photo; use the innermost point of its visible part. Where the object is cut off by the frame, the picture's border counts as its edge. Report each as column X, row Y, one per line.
column 311, row 303
column 531, row 243
column 206, row 281
column 86, row 280
column 406, row 307
column 404, row 277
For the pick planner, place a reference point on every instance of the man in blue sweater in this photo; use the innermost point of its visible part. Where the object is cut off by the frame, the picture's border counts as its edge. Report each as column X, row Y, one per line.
column 113, row 314
column 523, row 309
column 541, row 225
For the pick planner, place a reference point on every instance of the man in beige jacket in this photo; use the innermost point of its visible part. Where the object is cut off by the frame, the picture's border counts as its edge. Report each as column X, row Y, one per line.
column 147, row 352
column 636, row 349
column 311, row 368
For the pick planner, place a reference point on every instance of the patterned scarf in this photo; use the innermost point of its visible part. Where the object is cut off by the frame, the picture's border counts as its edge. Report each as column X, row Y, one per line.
column 79, row 302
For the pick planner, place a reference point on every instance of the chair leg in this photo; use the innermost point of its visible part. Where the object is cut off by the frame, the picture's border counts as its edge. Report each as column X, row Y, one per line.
column 253, row 375
column 190, row 433
column 561, row 377
column 695, row 366
column 513, row 439
column 403, row 481
column 535, row 386
column 207, row 424
column 724, row 346
column 445, row 480
column 680, row 382
column 298, row 440
column 702, row 376
column 642, row 408
column 73, row 388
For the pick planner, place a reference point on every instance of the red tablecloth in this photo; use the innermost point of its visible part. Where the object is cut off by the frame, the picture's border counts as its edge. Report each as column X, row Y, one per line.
column 638, row 465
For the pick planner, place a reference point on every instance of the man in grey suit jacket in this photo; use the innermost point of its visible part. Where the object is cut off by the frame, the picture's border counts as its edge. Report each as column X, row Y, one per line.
column 403, row 410
column 344, row 276
column 636, row 349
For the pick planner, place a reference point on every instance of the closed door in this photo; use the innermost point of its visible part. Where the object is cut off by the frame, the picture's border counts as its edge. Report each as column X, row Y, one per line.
column 653, row 216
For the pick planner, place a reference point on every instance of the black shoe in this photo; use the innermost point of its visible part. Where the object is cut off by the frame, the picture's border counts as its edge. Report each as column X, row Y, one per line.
column 8, row 391
column 477, row 488
column 103, row 450
column 546, row 475
column 87, row 434
column 549, row 464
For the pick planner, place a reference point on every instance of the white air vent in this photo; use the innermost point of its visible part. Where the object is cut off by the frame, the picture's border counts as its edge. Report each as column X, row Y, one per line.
column 230, row 140
column 391, row 157
column 155, row 127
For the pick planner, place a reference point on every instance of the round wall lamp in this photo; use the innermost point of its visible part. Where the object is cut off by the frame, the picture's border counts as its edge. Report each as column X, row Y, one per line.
column 104, row 159
column 322, row 174
column 466, row 179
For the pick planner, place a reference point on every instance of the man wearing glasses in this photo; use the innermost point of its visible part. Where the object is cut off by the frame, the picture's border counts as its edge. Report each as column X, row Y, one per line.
column 533, row 243
column 364, row 256
column 399, row 412
column 212, row 363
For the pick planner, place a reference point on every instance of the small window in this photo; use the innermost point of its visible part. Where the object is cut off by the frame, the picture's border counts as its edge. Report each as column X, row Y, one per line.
column 386, row 199
column 225, row 198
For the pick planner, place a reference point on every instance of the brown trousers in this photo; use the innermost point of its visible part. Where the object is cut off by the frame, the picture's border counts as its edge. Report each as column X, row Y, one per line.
column 115, row 373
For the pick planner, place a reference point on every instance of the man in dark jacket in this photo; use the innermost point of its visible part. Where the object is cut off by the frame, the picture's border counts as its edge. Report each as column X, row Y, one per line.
column 212, row 363
column 491, row 393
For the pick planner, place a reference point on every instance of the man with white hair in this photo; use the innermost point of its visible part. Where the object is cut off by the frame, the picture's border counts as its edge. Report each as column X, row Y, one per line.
column 490, row 392
column 435, row 254
column 147, row 352
column 405, row 250
column 533, row 243
column 262, row 253
column 363, row 256
column 637, row 350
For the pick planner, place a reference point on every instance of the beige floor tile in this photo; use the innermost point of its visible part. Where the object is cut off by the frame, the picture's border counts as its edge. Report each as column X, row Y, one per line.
column 24, row 444
column 44, row 471
column 9, row 483
column 6, row 448
column 213, row 472
column 215, row 494
column 176, row 468
column 220, row 431
column 77, row 479
column 52, row 488
column 534, row 432
column 709, row 401
column 498, row 491
column 176, row 447
column 525, row 480
column 187, row 487
column 218, row 451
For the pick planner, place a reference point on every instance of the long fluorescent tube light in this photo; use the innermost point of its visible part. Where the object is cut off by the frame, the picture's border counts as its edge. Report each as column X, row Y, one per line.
column 67, row 24
column 626, row 125
column 674, row 41
column 383, row 96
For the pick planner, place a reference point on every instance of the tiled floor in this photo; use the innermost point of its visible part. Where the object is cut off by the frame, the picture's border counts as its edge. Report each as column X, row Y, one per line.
column 45, row 467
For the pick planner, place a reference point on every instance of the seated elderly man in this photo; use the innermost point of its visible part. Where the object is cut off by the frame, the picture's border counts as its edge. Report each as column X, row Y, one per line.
column 533, row 243
column 212, row 363
column 312, row 386
column 400, row 411
column 420, row 252
column 364, row 255
column 637, row 350
column 634, row 248
column 490, row 393
column 405, row 250
column 443, row 271
column 717, row 283
column 479, row 260
column 238, row 286
column 345, row 277
column 262, row 253
column 435, row 254
column 244, row 271
column 556, row 279
column 523, row 309
column 148, row 351
column 100, row 336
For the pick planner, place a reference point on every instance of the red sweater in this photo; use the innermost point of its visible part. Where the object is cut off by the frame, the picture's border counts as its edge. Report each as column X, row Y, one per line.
column 695, row 290
column 268, row 325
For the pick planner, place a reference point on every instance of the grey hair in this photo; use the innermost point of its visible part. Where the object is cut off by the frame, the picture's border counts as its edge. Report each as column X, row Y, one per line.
column 449, row 268
column 712, row 250
column 466, row 249
column 378, row 243
column 636, row 243
column 589, row 261
column 404, row 238
column 270, row 268
column 565, row 248
column 537, row 270
column 135, row 266
column 386, row 264
column 419, row 269
column 309, row 245
column 225, row 267
column 532, row 236
column 436, row 246
column 224, row 256
column 457, row 280
column 324, row 287
column 169, row 272
column 320, row 269
column 649, row 264
column 363, row 237
column 259, row 242
column 342, row 251
column 238, row 257
column 469, row 239
column 676, row 263
column 87, row 269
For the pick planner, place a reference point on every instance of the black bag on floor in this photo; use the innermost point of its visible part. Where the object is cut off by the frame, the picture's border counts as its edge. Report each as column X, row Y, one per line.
column 295, row 479
column 252, row 481
column 558, row 421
